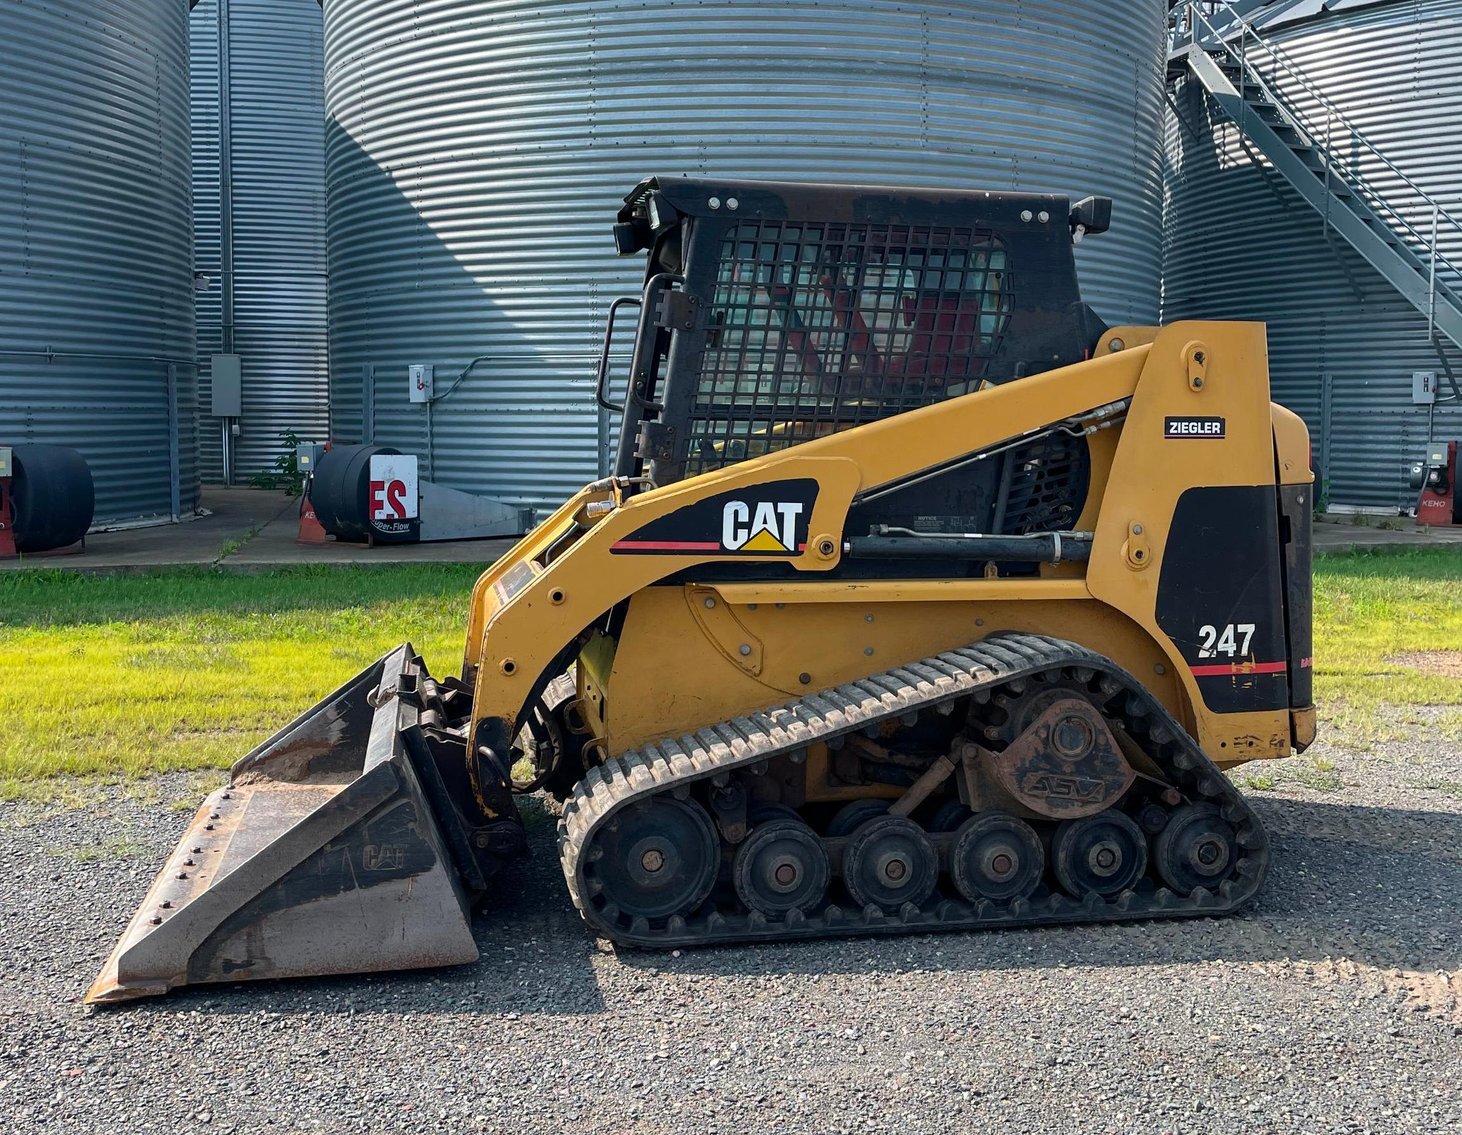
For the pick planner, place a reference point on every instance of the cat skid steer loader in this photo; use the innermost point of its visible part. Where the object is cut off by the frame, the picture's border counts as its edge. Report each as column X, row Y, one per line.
column 918, row 600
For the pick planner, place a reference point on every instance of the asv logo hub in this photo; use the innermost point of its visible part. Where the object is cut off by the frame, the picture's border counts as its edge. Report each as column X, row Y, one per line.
column 761, row 526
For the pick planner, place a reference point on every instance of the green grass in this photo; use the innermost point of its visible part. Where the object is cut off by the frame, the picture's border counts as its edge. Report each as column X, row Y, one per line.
column 234, row 543
column 1368, row 608
column 120, row 676
column 112, row 678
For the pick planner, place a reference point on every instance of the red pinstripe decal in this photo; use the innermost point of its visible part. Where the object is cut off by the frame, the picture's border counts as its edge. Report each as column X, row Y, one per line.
column 663, row 546
column 1227, row 669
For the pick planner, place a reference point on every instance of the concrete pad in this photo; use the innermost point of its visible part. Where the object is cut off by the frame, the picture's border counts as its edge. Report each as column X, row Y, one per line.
column 234, row 515
column 1333, row 537
column 275, row 546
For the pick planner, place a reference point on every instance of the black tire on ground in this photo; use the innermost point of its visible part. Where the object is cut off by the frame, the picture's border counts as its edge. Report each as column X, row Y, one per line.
column 54, row 497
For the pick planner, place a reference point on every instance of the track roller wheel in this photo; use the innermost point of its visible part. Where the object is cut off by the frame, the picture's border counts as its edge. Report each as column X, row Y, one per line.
column 782, row 866
column 948, row 817
column 766, row 813
column 996, row 857
column 889, row 861
column 850, row 817
column 1101, row 855
column 655, row 859
column 1198, row 848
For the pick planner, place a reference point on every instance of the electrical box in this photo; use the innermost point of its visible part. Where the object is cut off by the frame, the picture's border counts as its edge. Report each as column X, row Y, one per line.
column 1423, row 387
column 307, row 456
column 1436, row 456
column 420, row 376
column 6, row 469
column 228, row 386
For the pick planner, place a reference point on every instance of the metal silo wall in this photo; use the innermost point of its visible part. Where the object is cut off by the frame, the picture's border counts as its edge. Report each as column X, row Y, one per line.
column 207, row 220
column 274, row 231
column 1239, row 242
column 96, row 296
column 478, row 150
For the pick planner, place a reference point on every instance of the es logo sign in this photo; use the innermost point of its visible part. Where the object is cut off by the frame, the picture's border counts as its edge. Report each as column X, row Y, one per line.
column 757, row 520
column 393, row 488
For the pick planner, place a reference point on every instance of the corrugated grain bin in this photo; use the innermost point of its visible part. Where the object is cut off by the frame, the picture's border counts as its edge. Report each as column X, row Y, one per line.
column 259, row 201
column 477, row 152
column 1240, row 242
column 97, row 344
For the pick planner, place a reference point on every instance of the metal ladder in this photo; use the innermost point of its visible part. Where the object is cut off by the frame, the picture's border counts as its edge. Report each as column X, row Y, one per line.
column 1397, row 232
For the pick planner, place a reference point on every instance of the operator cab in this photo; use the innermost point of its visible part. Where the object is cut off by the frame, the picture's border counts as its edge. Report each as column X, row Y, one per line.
column 774, row 313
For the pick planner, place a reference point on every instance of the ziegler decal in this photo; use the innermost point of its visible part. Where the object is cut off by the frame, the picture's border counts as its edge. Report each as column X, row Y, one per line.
column 1189, row 427
column 760, row 520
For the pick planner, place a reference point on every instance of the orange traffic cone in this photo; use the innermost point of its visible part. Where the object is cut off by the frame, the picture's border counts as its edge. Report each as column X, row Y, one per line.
column 311, row 531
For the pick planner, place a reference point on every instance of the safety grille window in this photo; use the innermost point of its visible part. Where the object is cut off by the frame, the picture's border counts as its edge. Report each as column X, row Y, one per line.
column 818, row 327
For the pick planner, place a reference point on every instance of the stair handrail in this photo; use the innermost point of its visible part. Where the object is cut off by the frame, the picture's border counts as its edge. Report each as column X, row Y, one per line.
column 1374, row 197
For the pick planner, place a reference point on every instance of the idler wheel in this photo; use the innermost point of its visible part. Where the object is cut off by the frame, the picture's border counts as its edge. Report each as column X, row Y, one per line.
column 655, row 859
column 890, row 861
column 1102, row 855
column 996, row 857
column 1197, row 848
column 1015, row 713
column 780, row 867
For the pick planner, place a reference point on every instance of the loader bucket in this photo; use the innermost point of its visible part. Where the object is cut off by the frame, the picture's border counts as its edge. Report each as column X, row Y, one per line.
column 322, row 855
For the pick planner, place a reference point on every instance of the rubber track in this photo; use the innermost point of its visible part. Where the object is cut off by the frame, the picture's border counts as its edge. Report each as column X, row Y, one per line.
column 674, row 765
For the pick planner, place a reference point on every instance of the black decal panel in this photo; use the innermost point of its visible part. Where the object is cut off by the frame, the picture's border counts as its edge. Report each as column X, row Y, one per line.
column 1194, row 427
column 1220, row 596
column 768, row 520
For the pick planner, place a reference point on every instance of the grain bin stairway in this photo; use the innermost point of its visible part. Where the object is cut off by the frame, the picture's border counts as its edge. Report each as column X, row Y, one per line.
column 1227, row 56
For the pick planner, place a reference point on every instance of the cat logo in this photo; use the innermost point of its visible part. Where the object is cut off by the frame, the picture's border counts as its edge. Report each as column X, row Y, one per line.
column 383, row 857
column 769, row 519
column 760, row 526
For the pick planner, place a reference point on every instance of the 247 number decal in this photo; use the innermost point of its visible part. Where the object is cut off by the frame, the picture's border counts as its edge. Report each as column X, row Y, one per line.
column 1231, row 640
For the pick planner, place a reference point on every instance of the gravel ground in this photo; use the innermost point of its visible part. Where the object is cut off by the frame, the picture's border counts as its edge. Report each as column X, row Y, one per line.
column 1332, row 1006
